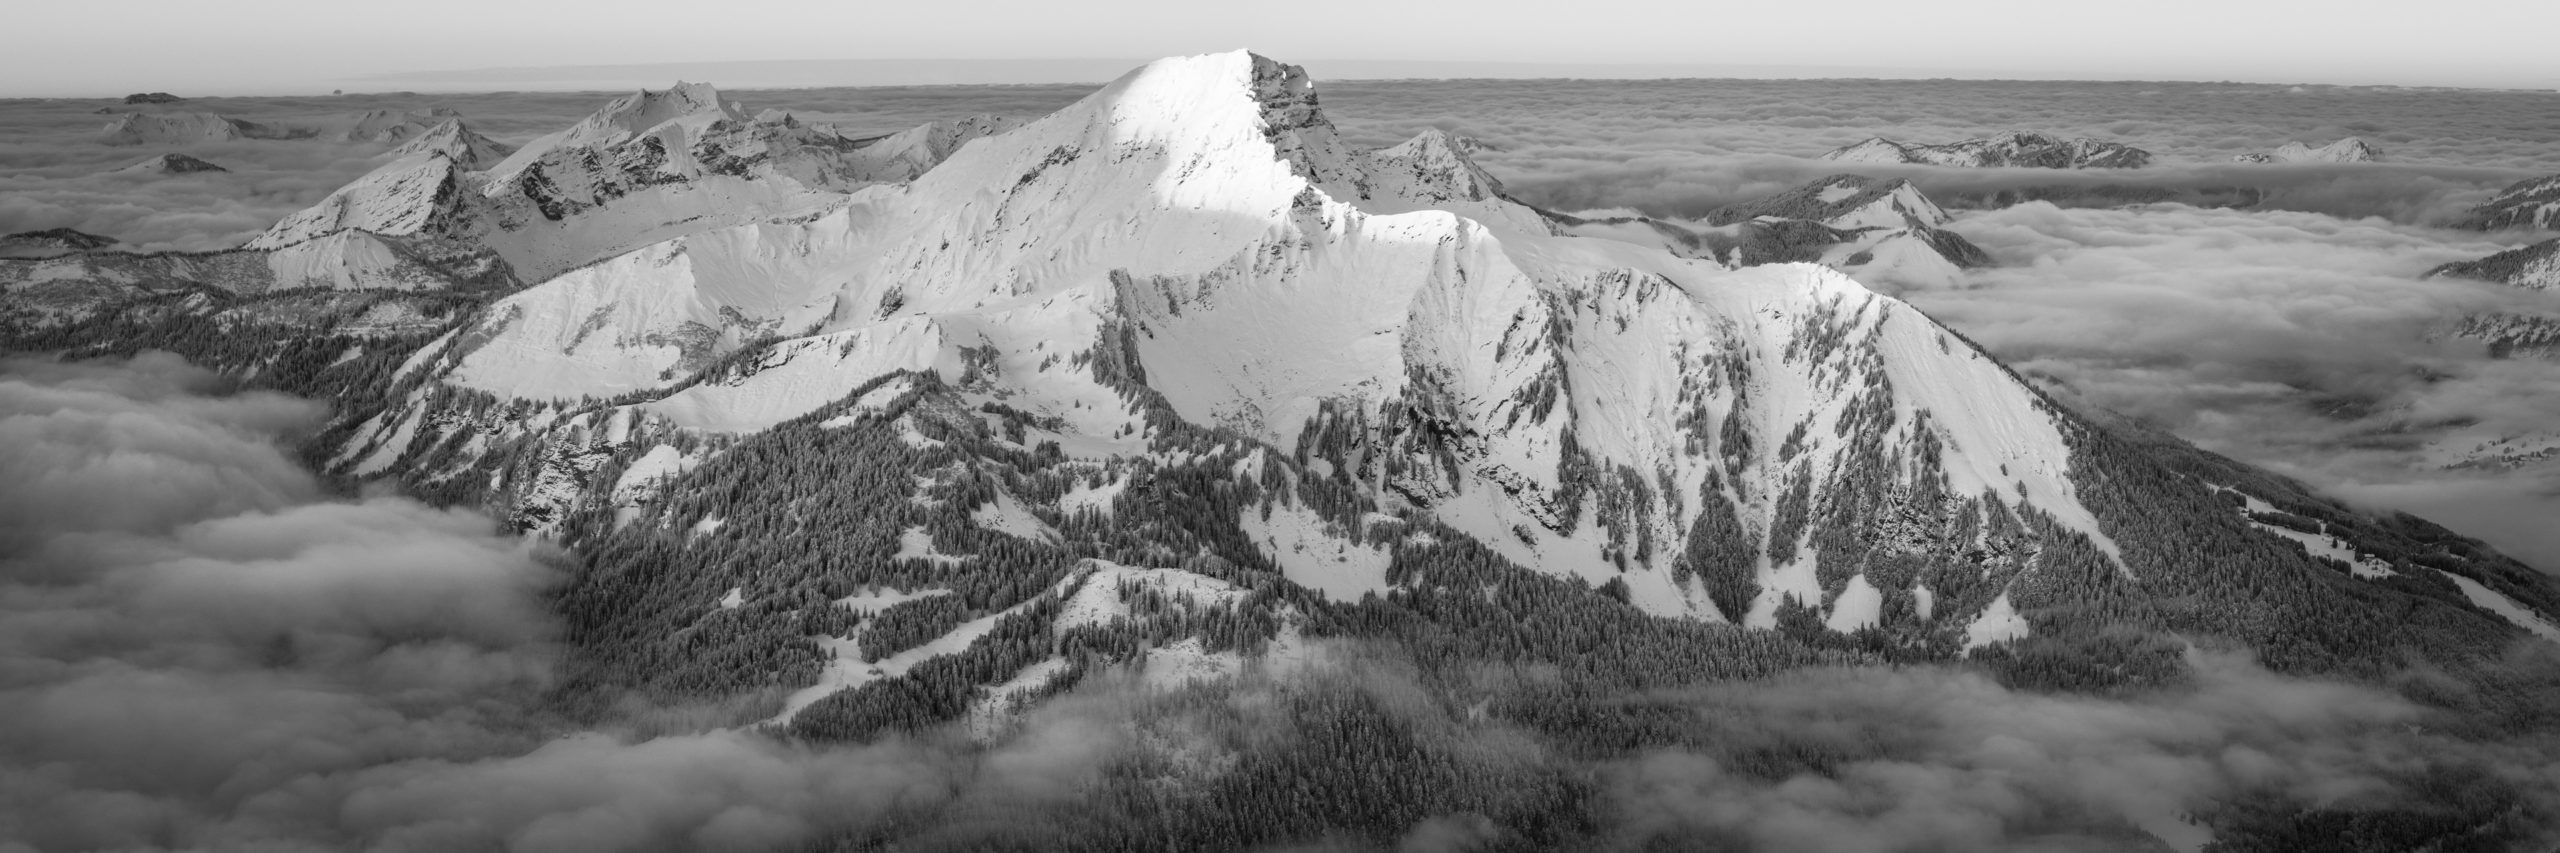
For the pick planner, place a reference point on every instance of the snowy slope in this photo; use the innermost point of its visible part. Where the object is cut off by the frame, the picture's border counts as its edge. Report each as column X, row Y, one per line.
column 405, row 197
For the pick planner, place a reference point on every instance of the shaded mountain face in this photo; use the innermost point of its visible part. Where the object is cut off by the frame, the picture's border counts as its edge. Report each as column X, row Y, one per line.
column 1881, row 232
column 2533, row 267
column 1174, row 383
column 2530, row 203
column 51, row 242
column 2019, row 149
column 171, row 164
column 2348, row 150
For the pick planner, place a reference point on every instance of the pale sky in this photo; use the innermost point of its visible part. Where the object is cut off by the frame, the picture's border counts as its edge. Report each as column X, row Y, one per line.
column 111, row 47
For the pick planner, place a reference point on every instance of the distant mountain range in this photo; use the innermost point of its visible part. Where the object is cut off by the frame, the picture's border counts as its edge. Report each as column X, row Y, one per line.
column 2348, row 150
column 189, row 128
column 1881, row 232
column 2024, row 149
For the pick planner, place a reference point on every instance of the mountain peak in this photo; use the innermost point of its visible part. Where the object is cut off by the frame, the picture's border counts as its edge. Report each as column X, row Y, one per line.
column 637, row 114
column 648, row 108
column 453, row 139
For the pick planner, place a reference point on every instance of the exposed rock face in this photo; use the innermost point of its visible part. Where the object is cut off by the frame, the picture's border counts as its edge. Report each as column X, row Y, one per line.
column 2348, row 150
column 2017, row 149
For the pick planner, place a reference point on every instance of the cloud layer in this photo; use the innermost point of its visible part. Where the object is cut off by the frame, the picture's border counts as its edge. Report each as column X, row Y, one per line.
column 2302, row 342
column 202, row 648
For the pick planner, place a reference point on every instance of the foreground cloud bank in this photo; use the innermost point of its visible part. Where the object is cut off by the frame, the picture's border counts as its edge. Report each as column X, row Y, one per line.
column 202, row 648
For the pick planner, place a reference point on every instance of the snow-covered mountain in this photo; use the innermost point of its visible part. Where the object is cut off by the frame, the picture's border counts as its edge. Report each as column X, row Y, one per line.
column 2530, row 203
column 383, row 126
column 1580, row 405
column 1179, row 355
column 1883, row 233
column 2348, row 150
column 457, row 142
column 2020, row 148
column 1195, row 248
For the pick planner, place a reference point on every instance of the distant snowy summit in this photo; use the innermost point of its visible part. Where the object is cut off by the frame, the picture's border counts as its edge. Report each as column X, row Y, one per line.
column 2531, row 203
column 451, row 209
column 1882, row 232
column 170, row 164
column 190, row 128
column 457, row 142
column 2018, row 149
column 2349, row 150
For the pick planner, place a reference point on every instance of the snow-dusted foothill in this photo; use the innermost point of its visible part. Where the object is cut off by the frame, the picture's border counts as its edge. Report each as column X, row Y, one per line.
column 2529, row 203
